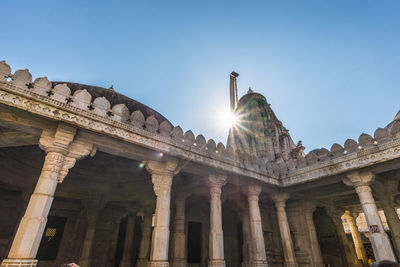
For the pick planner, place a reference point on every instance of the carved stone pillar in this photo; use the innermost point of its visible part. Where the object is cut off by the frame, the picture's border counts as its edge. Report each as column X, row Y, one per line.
column 161, row 176
column 358, row 244
column 385, row 190
column 348, row 249
column 92, row 216
column 115, row 218
column 145, row 241
column 128, row 249
column 56, row 165
column 309, row 208
column 216, row 239
column 179, row 255
column 247, row 244
column 287, row 243
column 380, row 241
column 259, row 258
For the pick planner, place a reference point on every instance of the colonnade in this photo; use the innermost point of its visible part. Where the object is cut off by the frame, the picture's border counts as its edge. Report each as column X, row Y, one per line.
column 62, row 150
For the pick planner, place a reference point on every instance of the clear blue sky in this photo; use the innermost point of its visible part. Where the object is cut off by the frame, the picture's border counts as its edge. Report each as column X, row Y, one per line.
column 330, row 69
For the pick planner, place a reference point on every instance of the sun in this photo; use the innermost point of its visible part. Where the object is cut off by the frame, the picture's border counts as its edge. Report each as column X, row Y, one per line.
column 227, row 119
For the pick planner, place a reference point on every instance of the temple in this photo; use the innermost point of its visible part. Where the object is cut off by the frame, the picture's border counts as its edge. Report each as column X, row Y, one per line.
column 88, row 175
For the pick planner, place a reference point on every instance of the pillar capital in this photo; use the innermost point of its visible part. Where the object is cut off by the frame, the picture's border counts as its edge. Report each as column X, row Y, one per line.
column 63, row 141
column 280, row 198
column 162, row 174
column 163, row 168
column 358, row 178
column 254, row 189
column 57, row 140
column 216, row 180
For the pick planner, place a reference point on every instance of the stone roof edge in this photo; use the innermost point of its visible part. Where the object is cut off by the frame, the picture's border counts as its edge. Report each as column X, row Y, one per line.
column 79, row 107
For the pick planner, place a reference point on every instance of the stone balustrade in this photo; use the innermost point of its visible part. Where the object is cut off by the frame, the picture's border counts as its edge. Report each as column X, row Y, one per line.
column 126, row 124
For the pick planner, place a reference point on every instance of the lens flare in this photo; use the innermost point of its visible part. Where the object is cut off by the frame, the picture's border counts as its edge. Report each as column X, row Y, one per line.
column 227, row 120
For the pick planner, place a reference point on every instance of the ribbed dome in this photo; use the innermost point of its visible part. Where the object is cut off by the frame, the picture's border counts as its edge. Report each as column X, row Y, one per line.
column 259, row 132
column 114, row 98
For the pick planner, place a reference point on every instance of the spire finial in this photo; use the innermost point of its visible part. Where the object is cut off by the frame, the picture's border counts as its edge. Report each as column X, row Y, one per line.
column 111, row 88
column 250, row 91
column 397, row 117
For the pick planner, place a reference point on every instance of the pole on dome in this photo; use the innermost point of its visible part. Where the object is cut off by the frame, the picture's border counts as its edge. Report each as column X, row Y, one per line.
column 233, row 90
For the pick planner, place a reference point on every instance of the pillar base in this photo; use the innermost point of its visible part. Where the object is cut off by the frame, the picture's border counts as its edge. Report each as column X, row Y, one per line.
column 125, row 264
column 259, row 264
column 291, row 264
column 179, row 263
column 216, row 263
column 141, row 263
column 158, row 264
column 19, row 263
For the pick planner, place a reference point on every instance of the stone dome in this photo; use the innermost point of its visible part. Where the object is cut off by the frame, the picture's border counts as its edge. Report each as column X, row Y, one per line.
column 259, row 132
column 114, row 98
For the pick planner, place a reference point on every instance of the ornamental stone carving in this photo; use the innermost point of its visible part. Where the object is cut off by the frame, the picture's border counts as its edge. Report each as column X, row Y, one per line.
column 41, row 86
column 61, row 93
column 22, row 78
column 5, row 71
column 57, row 145
column 216, row 239
column 161, row 175
column 379, row 239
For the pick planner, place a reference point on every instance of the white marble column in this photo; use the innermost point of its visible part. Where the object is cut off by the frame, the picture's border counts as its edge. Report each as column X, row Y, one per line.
column 309, row 208
column 92, row 216
column 355, row 234
column 161, row 176
column 56, row 165
column 179, row 238
column 336, row 216
column 216, row 239
column 385, row 189
column 379, row 239
column 128, row 244
column 259, row 258
column 286, row 238
column 247, row 244
column 145, row 241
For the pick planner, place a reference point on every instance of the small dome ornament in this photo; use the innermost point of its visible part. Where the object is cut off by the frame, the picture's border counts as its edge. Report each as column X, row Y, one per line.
column 111, row 88
column 250, row 91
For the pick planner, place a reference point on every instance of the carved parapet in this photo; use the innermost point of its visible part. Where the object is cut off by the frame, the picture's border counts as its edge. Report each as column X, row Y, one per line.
column 101, row 106
column 188, row 138
column 5, row 71
column 200, row 142
column 137, row 119
column 95, row 113
column 165, row 129
column 151, row 124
